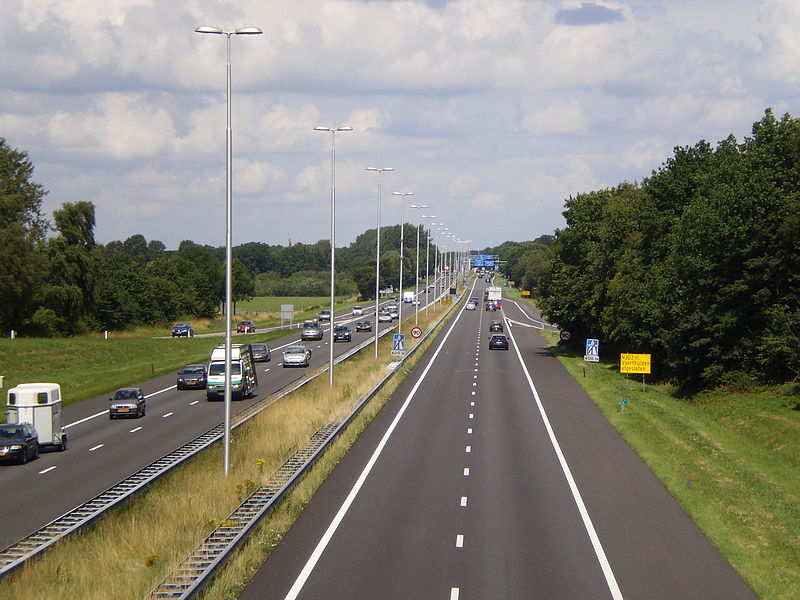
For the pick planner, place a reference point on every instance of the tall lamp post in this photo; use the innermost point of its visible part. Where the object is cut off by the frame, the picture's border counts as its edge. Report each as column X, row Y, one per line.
column 378, row 252
column 416, row 284
column 400, row 297
column 427, row 264
column 228, row 221
column 333, row 131
column 442, row 257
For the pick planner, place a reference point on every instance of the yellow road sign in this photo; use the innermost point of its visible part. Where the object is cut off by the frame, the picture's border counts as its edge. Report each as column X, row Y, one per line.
column 634, row 363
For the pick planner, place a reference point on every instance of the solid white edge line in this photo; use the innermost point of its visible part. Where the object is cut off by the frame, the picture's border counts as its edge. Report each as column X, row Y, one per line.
column 611, row 580
column 312, row 561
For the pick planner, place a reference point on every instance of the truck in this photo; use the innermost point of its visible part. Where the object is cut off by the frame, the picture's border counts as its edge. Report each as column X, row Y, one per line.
column 244, row 379
column 408, row 297
column 492, row 296
column 40, row 405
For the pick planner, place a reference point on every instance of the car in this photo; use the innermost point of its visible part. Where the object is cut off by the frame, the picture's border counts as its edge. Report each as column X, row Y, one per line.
column 490, row 305
column 498, row 342
column 358, row 311
column 18, row 442
column 296, row 356
column 311, row 331
column 324, row 315
column 260, row 352
column 182, row 330
column 245, row 327
column 192, row 377
column 127, row 402
column 384, row 317
column 495, row 326
column 394, row 311
column 471, row 305
column 342, row 333
column 364, row 325
column 474, row 299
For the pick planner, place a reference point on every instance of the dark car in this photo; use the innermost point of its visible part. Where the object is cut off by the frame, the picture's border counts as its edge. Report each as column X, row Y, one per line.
column 182, row 330
column 324, row 315
column 498, row 342
column 310, row 331
column 245, row 327
column 364, row 325
column 127, row 402
column 495, row 326
column 260, row 352
column 192, row 376
column 18, row 442
column 342, row 333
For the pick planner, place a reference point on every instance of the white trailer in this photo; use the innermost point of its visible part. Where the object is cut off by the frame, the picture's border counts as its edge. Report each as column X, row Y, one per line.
column 40, row 405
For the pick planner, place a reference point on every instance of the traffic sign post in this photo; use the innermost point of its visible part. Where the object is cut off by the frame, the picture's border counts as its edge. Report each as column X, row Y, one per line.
column 399, row 344
column 622, row 403
column 592, row 353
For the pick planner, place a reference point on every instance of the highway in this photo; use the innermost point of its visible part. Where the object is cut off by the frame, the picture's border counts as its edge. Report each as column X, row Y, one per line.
column 102, row 452
column 489, row 475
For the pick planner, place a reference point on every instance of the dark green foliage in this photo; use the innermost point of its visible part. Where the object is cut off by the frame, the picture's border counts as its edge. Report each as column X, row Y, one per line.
column 700, row 265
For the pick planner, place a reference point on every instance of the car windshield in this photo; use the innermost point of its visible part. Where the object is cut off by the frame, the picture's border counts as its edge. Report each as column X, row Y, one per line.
column 259, row 347
column 310, row 324
column 499, row 338
column 219, row 369
column 10, row 432
column 125, row 395
column 340, row 328
column 193, row 370
column 295, row 350
column 181, row 325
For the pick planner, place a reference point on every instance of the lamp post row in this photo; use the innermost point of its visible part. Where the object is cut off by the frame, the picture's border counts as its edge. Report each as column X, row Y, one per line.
column 204, row 29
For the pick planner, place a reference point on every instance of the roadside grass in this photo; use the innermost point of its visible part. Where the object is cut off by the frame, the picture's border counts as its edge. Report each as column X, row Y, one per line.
column 130, row 551
column 730, row 459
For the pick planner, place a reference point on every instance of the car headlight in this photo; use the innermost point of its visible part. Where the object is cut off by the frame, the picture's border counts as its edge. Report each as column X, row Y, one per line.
column 15, row 447
column 180, row 380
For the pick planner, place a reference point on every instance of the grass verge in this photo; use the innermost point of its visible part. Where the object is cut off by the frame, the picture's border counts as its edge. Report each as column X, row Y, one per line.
column 730, row 459
column 128, row 552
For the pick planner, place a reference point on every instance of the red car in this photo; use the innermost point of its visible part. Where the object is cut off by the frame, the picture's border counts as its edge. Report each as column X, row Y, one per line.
column 246, row 327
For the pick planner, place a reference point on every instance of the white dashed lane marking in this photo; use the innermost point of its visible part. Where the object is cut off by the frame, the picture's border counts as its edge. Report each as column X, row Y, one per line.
column 134, row 430
column 463, row 500
column 169, row 414
column 47, row 470
column 460, row 541
column 96, row 447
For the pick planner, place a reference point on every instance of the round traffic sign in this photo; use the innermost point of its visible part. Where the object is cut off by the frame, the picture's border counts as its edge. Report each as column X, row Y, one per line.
column 565, row 335
column 416, row 332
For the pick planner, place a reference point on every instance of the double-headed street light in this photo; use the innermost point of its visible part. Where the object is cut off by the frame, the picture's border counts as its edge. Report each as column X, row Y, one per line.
column 378, row 252
column 333, row 131
column 228, row 235
column 416, row 285
column 400, row 297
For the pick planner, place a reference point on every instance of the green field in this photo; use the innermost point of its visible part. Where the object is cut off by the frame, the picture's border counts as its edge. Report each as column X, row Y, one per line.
column 731, row 459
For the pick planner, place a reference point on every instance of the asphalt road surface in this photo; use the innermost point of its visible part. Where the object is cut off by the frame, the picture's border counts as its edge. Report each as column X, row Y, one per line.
column 490, row 475
column 102, row 452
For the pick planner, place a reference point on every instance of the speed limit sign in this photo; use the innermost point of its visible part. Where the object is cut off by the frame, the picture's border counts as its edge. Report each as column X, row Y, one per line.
column 565, row 335
column 416, row 332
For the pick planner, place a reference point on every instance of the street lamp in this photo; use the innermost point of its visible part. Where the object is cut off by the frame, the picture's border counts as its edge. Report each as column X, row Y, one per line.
column 378, row 252
column 228, row 220
column 442, row 257
column 400, row 297
column 427, row 264
column 416, row 285
column 332, row 131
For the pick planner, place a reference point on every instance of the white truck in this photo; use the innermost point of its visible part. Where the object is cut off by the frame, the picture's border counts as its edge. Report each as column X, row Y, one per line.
column 408, row 297
column 494, row 293
column 40, row 405
column 244, row 379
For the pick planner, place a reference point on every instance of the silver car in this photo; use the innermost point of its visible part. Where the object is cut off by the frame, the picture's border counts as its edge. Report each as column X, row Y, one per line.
column 311, row 331
column 296, row 356
column 127, row 402
column 358, row 311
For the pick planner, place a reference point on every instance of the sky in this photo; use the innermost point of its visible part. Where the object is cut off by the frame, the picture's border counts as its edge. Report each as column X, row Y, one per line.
column 492, row 112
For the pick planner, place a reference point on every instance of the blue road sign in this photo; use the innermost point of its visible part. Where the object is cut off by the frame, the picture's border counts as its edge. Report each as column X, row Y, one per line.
column 592, row 351
column 399, row 343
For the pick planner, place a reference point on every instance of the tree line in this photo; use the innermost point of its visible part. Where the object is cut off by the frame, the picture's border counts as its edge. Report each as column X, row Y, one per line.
column 57, row 280
column 697, row 265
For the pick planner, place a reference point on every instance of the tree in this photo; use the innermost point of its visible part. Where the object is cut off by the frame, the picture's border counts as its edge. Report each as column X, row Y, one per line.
column 243, row 286
column 22, row 232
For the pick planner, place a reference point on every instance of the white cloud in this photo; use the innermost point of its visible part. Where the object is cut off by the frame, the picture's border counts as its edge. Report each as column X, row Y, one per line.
column 565, row 117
